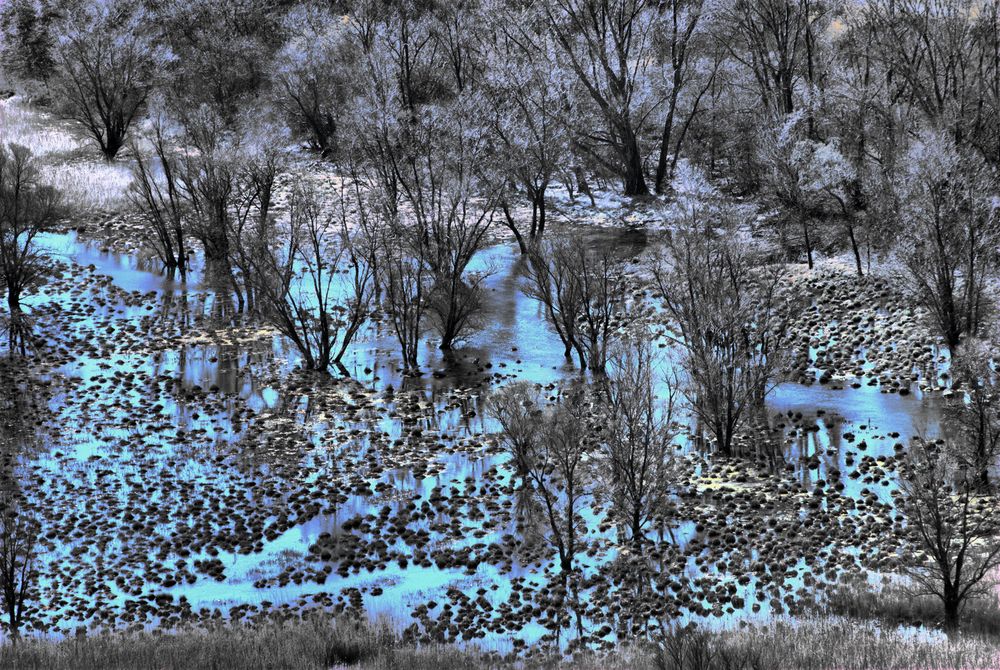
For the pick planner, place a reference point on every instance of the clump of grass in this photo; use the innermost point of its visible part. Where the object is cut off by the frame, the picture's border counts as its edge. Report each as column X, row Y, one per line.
column 68, row 162
column 321, row 642
column 824, row 644
column 314, row 642
column 40, row 132
column 893, row 605
column 90, row 186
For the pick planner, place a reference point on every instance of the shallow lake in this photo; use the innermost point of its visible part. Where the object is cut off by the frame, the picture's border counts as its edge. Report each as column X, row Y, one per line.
column 182, row 469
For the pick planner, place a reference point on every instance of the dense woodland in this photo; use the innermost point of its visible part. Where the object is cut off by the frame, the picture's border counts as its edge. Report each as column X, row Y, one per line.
column 816, row 186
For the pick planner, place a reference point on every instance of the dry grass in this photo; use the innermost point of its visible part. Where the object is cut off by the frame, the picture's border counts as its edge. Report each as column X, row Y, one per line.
column 825, row 644
column 323, row 643
column 893, row 605
column 68, row 161
column 42, row 133
column 90, row 186
column 315, row 643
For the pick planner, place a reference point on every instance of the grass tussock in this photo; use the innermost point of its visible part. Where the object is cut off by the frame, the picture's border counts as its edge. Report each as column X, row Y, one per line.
column 90, row 186
column 69, row 162
column 893, row 605
column 45, row 136
column 824, row 644
column 323, row 643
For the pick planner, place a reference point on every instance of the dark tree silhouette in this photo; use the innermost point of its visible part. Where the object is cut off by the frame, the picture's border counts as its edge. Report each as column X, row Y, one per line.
column 954, row 529
column 27, row 208
column 105, row 71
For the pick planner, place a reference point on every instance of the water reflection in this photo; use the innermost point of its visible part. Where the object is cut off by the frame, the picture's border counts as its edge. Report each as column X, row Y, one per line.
column 204, row 455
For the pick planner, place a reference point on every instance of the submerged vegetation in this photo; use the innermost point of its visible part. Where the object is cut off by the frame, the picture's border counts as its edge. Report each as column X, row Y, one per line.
column 574, row 333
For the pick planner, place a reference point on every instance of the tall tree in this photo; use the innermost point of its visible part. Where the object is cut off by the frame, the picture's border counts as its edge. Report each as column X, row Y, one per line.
column 975, row 412
column 313, row 287
column 27, row 41
column 583, row 292
column 27, row 209
column 527, row 92
column 439, row 165
column 106, row 67
column 952, row 527
column 220, row 52
column 156, row 194
column 559, row 477
column 769, row 38
column 678, row 48
column 18, row 560
column 314, row 77
column 954, row 227
column 638, row 445
column 731, row 318
column 608, row 45
column 944, row 60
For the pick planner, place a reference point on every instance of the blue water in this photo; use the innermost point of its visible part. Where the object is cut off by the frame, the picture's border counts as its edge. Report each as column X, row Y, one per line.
column 253, row 444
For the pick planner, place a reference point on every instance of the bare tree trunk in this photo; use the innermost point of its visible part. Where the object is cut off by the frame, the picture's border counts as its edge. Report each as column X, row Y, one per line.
column 537, row 213
column 854, row 248
column 808, row 243
column 512, row 225
column 661, row 164
column 635, row 181
column 951, row 610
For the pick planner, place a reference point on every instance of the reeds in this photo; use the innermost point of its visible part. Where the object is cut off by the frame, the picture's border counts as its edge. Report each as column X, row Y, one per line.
column 321, row 642
column 91, row 185
column 68, row 161
column 893, row 605
column 45, row 136
column 824, row 644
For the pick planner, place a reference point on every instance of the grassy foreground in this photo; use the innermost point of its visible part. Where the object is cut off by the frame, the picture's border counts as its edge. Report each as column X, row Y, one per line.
column 325, row 643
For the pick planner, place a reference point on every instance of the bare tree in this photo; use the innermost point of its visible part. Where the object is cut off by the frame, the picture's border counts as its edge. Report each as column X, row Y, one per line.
column 458, row 30
column 826, row 189
column 638, row 445
column 954, row 530
column 527, row 90
column 559, row 477
column 220, row 53
column 780, row 159
column 27, row 208
column 454, row 304
column 953, row 234
column 551, row 281
column 608, row 44
column 943, row 57
column 976, row 412
column 315, row 75
column 208, row 180
column 731, row 318
column 518, row 409
column 105, row 71
column 604, row 282
column 679, row 51
column 770, row 39
column 156, row 193
column 450, row 209
column 220, row 192
column 300, row 287
column 584, row 294
column 404, row 278
column 405, row 70
column 18, row 561
column 251, row 223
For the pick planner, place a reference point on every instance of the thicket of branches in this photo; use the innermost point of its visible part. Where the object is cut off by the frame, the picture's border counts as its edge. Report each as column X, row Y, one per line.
column 869, row 128
column 838, row 116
